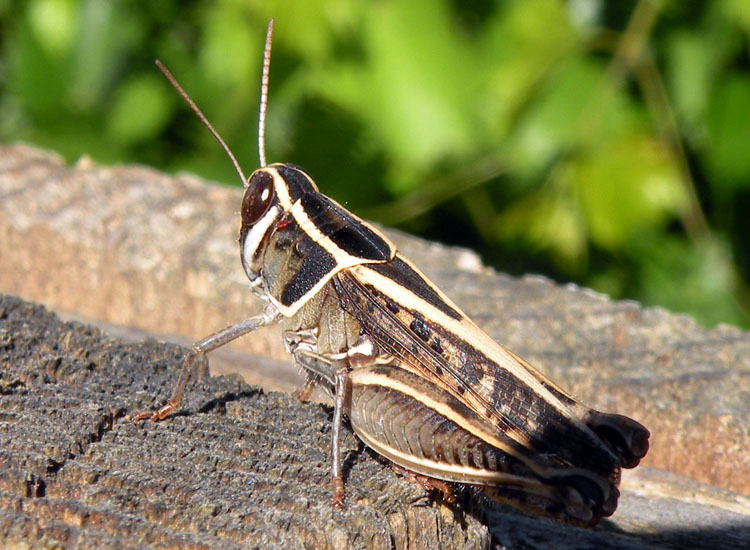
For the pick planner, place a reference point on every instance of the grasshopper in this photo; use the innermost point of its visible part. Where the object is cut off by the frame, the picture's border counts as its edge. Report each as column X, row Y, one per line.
column 420, row 383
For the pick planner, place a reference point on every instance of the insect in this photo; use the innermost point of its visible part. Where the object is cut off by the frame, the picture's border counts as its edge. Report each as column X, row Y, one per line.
column 420, row 383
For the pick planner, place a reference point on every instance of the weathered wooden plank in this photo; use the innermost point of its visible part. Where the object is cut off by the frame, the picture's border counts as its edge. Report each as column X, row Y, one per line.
column 236, row 468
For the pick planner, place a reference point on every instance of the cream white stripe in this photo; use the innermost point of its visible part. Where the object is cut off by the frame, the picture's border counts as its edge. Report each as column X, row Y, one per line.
column 279, row 186
column 342, row 258
column 255, row 235
column 308, row 178
column 369, row 226
column 433, row 286
column 288, row 311
column 434, row 468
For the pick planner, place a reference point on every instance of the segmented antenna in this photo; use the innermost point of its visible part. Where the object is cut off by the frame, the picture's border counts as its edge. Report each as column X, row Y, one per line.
column 203, row 119
column 264, row 95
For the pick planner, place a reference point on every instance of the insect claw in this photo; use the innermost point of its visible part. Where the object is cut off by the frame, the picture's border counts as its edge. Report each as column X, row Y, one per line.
column 436, row 486
column 304, row 393
column 153, row 416
column 139, row 417
column 339, row 493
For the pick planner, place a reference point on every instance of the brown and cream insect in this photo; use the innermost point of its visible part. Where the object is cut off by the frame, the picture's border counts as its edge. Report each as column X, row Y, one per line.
column 420, row 383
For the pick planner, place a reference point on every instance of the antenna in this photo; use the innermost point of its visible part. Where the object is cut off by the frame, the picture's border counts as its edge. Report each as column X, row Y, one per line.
column 264, row 95
column 203, row 119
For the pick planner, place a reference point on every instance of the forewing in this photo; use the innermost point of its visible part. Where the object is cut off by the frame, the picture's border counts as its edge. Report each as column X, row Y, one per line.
column 428, row 335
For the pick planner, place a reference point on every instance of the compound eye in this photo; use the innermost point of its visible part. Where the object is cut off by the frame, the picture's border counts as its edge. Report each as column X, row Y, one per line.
column 258, row 198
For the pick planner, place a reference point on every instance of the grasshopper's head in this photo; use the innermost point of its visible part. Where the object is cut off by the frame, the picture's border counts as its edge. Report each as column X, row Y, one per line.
column 270, row 194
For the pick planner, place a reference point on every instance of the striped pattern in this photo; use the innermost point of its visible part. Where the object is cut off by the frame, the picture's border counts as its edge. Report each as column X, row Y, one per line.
column 472, row 367
column 446, row 369
column 430, row 390
column 416, row 425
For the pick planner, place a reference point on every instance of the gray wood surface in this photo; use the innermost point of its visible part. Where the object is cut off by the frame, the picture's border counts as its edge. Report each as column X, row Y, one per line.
column 143, row 253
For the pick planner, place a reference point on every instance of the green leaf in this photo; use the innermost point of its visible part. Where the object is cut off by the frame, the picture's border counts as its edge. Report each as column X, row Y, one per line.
column 729, row 134
column 54, row 23
column 625, row 186
column 525, row 42
column 698, row 278
column 690, row 68
column 414, row 91
column 548, row 219
column 140, row 110
column 577, row 109
column 739, row 11
column 231, row 46
column 310, row 29
column 109, row 31
column 553, row 121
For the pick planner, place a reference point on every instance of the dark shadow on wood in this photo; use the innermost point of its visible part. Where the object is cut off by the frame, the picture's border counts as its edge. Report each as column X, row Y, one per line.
column 219, row 404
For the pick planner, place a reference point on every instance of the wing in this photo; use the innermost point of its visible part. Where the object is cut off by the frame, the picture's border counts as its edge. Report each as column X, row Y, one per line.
column 514, row 407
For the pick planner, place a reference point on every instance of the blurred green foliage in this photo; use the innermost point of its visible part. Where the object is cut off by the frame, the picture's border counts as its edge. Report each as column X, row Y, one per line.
column 605, row 142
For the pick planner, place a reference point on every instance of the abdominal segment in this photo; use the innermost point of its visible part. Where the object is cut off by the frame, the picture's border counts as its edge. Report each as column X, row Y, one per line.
column 422, row 430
